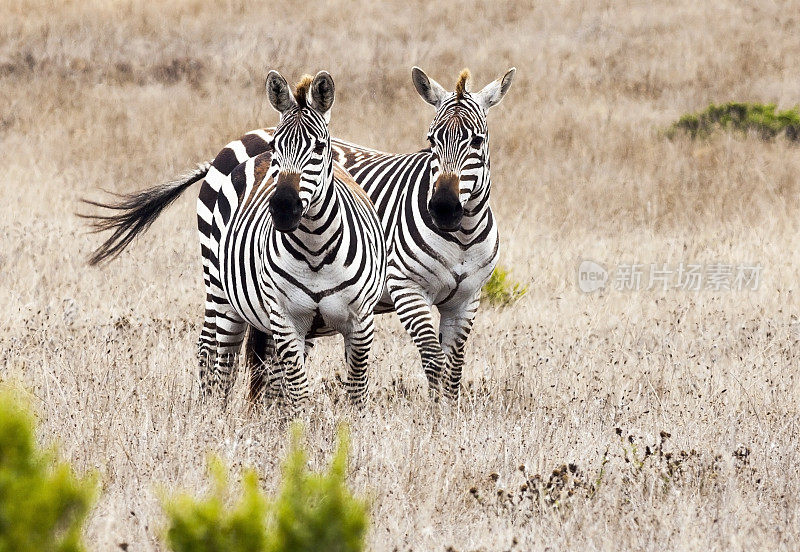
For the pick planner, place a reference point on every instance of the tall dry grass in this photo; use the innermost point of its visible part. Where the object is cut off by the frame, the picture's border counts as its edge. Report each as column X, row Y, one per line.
column 121, row 95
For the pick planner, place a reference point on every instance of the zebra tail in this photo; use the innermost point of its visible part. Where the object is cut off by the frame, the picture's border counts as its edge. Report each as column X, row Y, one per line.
column 135, row 213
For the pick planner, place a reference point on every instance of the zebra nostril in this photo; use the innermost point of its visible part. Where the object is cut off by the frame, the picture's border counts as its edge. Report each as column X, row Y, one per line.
column 445, row 210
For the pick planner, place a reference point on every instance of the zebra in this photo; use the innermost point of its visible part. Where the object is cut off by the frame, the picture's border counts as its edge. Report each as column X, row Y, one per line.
column 291, row 247
column 433, row 205
column 440, row 232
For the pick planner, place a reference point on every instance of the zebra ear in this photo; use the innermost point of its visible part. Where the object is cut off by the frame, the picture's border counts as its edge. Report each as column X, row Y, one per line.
column 495, row 90
column 322, row 94
column 278, row 92
column 430, row 90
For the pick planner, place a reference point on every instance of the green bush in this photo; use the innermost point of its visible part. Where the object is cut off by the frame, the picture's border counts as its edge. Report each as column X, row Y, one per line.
column 43, row 504
column 312, row 512
column 501, row 290
column 212, row 524
column 316, row 511
column 740, row 117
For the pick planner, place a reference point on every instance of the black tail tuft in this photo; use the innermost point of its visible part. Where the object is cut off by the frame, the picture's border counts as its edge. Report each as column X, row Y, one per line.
column 136, row 212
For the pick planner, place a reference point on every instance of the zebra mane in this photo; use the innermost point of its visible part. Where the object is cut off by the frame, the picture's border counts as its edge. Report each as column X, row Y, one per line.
column 461, row 85
column 301, row 90
column 341, row 173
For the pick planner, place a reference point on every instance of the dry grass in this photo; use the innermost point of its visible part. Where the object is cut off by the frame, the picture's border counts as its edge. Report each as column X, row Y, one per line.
column 121, row 95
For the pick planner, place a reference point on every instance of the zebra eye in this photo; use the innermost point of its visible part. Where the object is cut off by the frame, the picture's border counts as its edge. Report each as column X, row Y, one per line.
column 319, row 147
column 430, row 139
column 477, row 141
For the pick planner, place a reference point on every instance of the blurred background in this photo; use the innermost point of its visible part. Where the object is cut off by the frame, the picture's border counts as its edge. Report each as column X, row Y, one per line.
column 121, row 95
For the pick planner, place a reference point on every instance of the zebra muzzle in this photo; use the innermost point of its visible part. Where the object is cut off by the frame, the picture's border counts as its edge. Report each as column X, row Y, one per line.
column 285, row 205
column 444, row 206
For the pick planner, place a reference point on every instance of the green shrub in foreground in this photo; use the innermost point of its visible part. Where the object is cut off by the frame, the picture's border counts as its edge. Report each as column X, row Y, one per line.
column 740, row 117
column 42, row 503
column 214, row 525
column 312, row 512
column 316, row 511
column 501, row 290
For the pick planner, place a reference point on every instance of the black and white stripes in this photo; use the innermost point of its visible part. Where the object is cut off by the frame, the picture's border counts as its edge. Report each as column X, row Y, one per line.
column 292, row 247
column 301, row 252
column 440, row 233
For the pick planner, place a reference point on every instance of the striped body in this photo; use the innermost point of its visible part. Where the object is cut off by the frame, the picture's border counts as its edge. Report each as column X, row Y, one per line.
column 318, row 275
column 448, row 267
column 436, row 224
column 292, row 280
column 427, row 266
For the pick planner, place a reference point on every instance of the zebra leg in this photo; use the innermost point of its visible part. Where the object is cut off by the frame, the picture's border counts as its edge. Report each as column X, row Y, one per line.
column 276, row 390
column 415, row 314
column 207, row 342
column 291, row 369
column 454, row 328
column 230, row 330
column 357, row 344
column 260, row 359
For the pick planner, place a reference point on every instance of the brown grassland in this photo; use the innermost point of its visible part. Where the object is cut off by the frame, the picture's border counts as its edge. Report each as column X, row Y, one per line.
column 126, row 94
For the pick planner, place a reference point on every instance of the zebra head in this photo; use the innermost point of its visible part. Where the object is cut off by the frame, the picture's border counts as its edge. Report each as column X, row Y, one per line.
column 301, row 145
column 459, row 143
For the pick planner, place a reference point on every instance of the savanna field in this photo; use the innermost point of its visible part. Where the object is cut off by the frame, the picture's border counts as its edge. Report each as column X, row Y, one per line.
column 660, row 419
